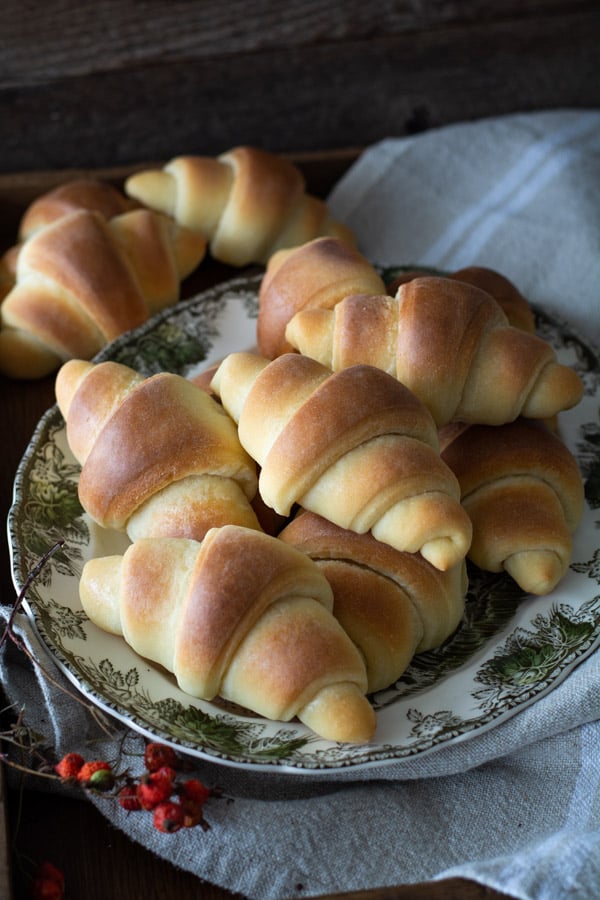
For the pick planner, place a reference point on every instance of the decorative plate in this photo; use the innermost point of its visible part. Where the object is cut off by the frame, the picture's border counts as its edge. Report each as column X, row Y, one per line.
column 509, row 650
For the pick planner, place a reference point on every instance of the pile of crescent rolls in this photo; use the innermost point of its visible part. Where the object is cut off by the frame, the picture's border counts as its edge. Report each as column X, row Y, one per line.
column 300, row 516
column 91, row 261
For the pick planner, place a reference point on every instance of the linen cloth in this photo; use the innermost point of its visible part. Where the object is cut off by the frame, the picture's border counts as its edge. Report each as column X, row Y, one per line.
column 516, row 807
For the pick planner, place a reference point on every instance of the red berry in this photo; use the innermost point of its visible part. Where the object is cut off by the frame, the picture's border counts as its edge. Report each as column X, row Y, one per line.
column 158, row 755
column 193, row 795
column 47, row 889
column 128, row 797
column 192, row 812
column 49, row 870
column 193, row 789
column 164, row 774
column 69, row 765
column 49, row 883
column 89, row 769
column 168, row 817
column 149, row 795
column 156, row 787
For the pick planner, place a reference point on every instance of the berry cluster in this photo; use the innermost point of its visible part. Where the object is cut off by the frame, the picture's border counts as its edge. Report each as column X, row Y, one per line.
column 175, row 803
column 49, row 883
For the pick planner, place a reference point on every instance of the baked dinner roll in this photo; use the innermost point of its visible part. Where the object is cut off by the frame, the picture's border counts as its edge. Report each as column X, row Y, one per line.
column 392, row 604
column 77, row 194
column 355, row 446
column 247, row 202
column 82, row 281
column 450, row 343
column 317, row 274
column 241, row 615
column 159, row 456
column 523, row 491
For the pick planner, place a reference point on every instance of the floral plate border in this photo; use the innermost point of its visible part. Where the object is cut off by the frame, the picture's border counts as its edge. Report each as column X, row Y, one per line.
column 509, row 650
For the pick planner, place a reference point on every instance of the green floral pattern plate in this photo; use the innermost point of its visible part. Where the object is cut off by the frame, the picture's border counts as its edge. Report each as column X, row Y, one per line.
column 509, row 650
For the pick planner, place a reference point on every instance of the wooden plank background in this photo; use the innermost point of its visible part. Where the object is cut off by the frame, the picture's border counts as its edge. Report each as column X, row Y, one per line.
column 106, row 83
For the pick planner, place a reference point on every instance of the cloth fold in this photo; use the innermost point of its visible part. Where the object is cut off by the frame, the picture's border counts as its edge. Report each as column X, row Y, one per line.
column 516, row 807
column 516, row 193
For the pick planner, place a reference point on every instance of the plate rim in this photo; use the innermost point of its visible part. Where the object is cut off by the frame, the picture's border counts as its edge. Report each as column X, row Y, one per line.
column 44, row 423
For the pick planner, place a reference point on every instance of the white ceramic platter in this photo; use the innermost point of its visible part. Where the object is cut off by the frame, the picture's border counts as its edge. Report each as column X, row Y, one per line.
column 509, row 650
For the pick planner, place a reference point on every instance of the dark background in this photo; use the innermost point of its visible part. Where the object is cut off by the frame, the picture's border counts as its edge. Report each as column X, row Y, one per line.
column 93, row 84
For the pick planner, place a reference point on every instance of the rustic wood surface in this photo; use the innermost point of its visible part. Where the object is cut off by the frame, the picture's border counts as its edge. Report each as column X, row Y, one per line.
column 99, row 861
column 101, row 85
column 5, row 866
column 107, row 82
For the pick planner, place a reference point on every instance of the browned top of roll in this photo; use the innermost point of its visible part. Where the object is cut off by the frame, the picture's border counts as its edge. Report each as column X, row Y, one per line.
column 218, row 613
column 79, row 193
column 347, row 408
column 320, row 273
column 479, row 454
column 165, row 429
column 78, row 254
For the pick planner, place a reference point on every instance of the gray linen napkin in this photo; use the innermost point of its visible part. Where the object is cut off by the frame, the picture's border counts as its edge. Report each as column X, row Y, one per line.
column 516, row 807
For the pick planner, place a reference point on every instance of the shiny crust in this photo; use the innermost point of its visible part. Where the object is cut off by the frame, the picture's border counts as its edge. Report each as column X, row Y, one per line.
column 80, row 193
column 158, row 454
column 87, row 395
column 265, row 188
column 316, row 275
column 523, row 491
column 81, row 281
column 451, row 344
column 392, row 604
column 355, row 446
column 188, row 435
column 344, row 411
column 93, row 290
column 160, row 253
column 241, row 615
column 247, row 202
column 514, row 305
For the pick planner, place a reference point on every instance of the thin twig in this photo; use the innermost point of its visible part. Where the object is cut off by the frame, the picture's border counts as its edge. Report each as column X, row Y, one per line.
column 8, row 630
column 39, row 773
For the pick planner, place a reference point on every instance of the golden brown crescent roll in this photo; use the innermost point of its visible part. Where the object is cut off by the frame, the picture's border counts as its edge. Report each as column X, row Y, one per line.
column 247, row 202
column 240, row 615
column 356, row 447
column 75, row 194
column 82, row 281
column 159, row 456
column 392, row 604
column 523, row 491
column 450, row 343
column 319, row 274
column 516, row 307
column 83, row 193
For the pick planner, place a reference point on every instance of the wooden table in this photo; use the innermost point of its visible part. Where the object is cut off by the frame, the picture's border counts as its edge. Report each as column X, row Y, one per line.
column 99, row 861
column 92, row 83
